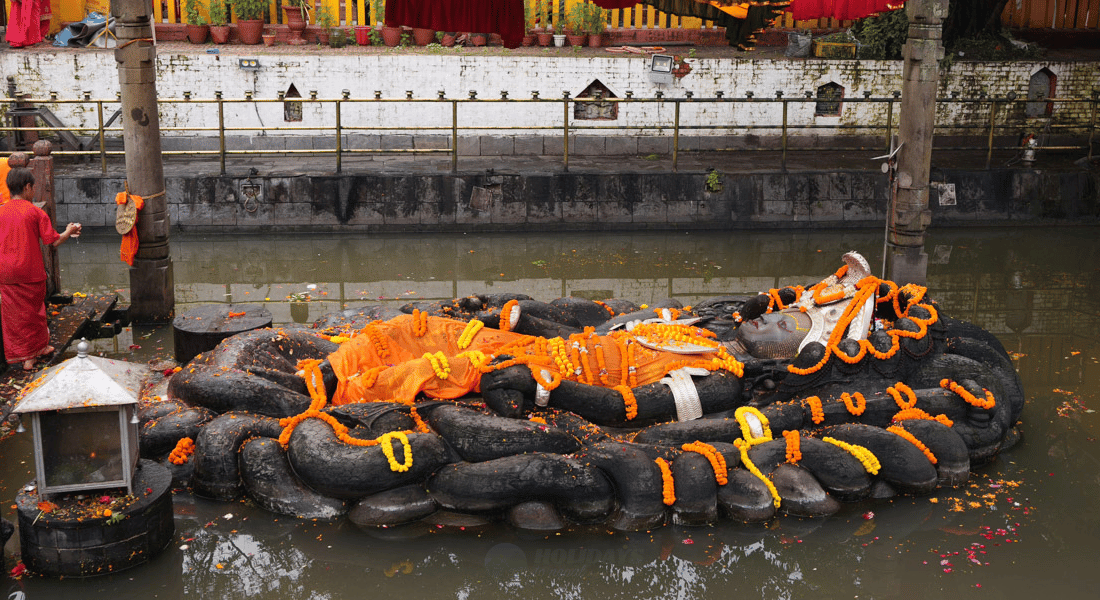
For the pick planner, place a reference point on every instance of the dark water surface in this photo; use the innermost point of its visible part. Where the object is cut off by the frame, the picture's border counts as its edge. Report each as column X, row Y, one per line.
column 1027, row 525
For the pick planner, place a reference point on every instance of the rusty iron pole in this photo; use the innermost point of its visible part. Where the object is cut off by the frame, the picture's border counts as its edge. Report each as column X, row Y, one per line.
column 906, row 260
column 152, row 298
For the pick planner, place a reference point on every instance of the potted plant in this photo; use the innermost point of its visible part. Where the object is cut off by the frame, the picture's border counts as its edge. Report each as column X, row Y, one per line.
column 422, row 36
column 197, row 29
column 297, row 17
column 595, row 24
column 528, row 24
column 325, row 22
column 578, row 20
column 250, row 19
column 559, row 34
column 338, row 37
column 219, row 22
column 543, row 33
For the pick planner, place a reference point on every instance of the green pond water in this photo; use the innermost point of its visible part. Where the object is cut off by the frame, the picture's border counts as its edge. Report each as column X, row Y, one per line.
column 1026, row 525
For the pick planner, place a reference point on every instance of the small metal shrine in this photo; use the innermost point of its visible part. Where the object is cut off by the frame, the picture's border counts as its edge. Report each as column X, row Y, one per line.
column 84, row 420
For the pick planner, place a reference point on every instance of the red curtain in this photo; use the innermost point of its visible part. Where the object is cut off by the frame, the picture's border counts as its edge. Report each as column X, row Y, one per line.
column 504, row 17
column 844, row 10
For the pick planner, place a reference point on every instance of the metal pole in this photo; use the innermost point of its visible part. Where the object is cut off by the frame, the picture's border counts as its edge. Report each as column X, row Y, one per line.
column 890, row 126
column 221, row 130
column 152, row 290
column 1092, row 124
column 676, row 135
column 565, row 130
column 992, row 124
column 339, row 135
column 783, row 159
column 102, row 142
column 454, row 136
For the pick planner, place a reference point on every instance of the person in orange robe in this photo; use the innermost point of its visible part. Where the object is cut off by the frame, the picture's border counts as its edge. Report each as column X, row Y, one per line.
column 22, row 272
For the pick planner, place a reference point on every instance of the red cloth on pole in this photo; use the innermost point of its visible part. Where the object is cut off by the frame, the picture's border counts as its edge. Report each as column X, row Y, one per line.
column 25, row 27
column 844, row 10
column 504, row 17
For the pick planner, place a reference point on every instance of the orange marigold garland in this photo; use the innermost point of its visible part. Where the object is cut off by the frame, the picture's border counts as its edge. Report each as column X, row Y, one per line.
column 988, row 403
column 817, row 412
column 182, row 452
column 421, row 426
column 794, row 446
column 901, row 432
column 668, row 487
column 629, row 401
column 855, row 407
column 539, row 420
column 897, row 390
column 506, row 315
column 909, row 414
column 717, row 461
column 420, row 322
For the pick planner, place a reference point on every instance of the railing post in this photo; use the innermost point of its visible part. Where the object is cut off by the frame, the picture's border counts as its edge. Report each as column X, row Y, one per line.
column 676, row 136
column 1092, row 124
column 783, row 134
column 454, row 136
column 992, row 124
column 221, row 129
column 565, row 130
column 890, row 122
column 339, row 136
column 102, row 142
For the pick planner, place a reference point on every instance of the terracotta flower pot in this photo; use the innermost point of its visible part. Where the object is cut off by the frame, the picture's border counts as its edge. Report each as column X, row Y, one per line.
column 528, row 40
column 220, row 34
column 545, row 38
column 296, row 23
column 391, row 36
column 594, row 40
column 577, row 39
column 196, row 34
column 423, row 37
column 269, row 39
column 478, row 39
column 448, row 39
column 250, row 31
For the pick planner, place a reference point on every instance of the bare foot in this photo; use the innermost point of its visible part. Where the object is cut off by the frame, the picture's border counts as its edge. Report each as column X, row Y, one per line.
column 28, row 365
column 47, row 351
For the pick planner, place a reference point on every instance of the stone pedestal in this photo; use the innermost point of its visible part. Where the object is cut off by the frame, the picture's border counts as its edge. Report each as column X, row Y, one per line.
column 202, row 328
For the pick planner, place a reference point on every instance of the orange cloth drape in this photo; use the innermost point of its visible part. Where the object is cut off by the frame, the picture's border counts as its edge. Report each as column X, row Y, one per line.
column 129, row 247
column 385, row 360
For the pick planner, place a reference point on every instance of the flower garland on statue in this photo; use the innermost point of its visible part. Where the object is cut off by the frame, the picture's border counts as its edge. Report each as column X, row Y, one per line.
column 420, row 322
column 895, row 391
column 629, row 401
column 182, row 452
column 468, row 334
column 668, row 487
column 988, row 403
column 855, row 407
column 794, row 446
column 439, row 364
column 870, row 462
column 817, row 411
column 914, row 413
column 750, row 418
column 506, row 315
column 898, row 430
column 717, row 461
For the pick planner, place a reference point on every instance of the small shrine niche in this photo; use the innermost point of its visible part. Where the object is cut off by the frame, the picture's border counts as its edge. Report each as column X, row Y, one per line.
column 829, row 98
column 597, row 110
column 1041, row 86
column 292, row 104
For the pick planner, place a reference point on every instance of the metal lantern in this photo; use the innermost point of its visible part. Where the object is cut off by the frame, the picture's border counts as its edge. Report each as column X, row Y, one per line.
column 84, row 421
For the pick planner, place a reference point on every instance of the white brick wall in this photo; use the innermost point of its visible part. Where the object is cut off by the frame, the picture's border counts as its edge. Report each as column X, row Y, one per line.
column 70, row 73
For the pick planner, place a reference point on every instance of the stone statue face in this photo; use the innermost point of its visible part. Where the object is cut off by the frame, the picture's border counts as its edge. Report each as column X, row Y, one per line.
column 774, row 335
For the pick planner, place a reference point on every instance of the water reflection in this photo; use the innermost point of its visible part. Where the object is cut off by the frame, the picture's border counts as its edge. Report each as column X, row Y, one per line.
column 1024, row 526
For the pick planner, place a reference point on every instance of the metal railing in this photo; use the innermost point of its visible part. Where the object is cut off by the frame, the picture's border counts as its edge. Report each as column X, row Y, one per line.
column 984, row 122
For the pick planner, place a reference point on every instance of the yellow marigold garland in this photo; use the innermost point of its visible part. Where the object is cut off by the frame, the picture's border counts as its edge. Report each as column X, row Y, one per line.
column 387, row 449
column 560, row 355
column 182, row 452
column 717, row 461
column 817, row 412
column 468, row 334
column 988, row 403
column 742, row 414
column 629, row 401
column 506, row 315
column 870, row 462
column 901, row 432
column 439, row 363
column 855, row 407
column 477, row 358
column 744, row 446
column 794, row 446
column 668, row 487
column 895, row 391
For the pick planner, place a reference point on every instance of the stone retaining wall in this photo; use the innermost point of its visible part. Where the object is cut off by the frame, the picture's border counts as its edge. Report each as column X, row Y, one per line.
column 586, row 202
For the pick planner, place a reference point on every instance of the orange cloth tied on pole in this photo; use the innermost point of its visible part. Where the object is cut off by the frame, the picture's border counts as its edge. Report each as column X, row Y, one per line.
column 129, row 247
